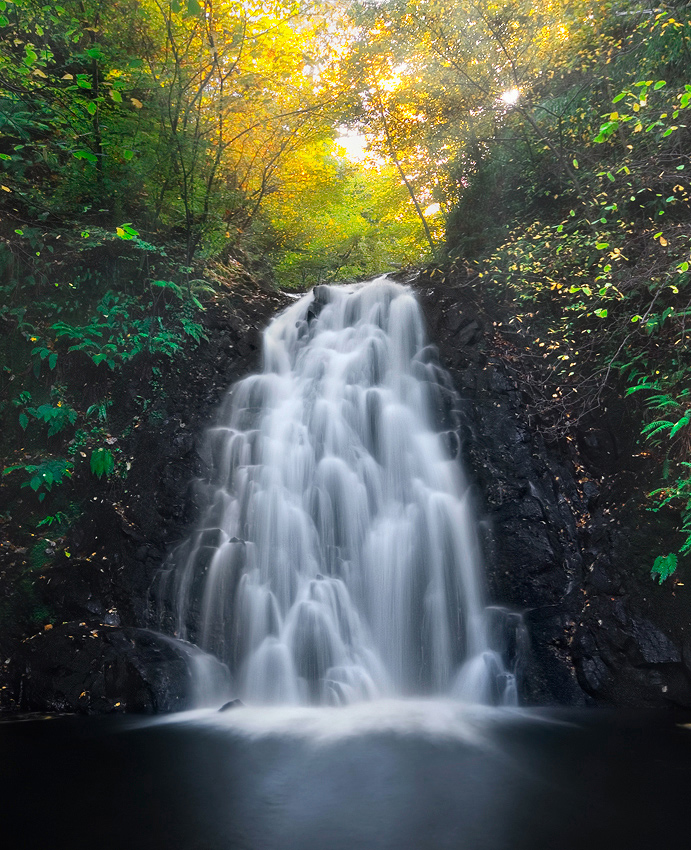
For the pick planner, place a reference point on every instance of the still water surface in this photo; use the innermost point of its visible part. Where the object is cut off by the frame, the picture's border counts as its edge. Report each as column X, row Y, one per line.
column 400, row 775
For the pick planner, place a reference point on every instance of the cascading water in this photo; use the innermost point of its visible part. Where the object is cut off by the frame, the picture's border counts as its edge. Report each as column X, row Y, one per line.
column 337, row 557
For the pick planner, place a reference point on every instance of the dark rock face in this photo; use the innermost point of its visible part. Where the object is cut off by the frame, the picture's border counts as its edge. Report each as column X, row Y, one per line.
column 563, row 538
column 95, row 669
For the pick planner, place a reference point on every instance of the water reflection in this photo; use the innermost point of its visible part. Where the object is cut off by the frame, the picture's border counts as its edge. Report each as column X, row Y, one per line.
column 394, row 776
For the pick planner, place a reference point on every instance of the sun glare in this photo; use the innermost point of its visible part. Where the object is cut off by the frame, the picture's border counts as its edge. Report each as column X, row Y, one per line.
column 353, row 146
column 511, row 96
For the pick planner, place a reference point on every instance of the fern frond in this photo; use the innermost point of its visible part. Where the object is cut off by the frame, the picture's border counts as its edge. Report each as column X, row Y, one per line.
column 657, row 426
column 682, row 423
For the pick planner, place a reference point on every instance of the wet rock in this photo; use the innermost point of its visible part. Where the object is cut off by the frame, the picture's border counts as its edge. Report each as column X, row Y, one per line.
column 594, row 673
column 321, row 298
column 561, row 528
column 652, row 644
column 234, row 703
column 94, row 668
column 470, row 334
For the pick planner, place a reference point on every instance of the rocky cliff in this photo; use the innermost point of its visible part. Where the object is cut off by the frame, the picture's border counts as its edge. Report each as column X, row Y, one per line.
column 567, row 540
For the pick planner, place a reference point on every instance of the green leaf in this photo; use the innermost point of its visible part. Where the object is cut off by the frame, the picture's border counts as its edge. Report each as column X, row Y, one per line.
column 644, row 386
column 664, row 566
column 116, row 96
column 682, row 423
column 23, row 421
column 193, row 8
column 167, row 284
column 656, row 427
column 601, row 245
column 126, row 231
column 602, row 313
column 87, row 155
column 659, row 84
column 102, row 462
column 127, row 155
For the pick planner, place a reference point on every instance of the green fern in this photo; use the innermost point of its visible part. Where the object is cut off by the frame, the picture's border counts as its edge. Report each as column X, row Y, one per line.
column 656, row 427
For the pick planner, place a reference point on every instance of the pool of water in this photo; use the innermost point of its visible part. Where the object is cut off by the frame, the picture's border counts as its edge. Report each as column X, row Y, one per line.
column 395, row 775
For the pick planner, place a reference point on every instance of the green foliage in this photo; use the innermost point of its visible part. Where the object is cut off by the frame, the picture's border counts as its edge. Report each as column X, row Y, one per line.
column 42, row 476
column 56, row 417
column 344, row 223
column 102, row 462
column 673, row 434
column 59, row 518
column 678, row 494
column 664, row 566
column 584, row 234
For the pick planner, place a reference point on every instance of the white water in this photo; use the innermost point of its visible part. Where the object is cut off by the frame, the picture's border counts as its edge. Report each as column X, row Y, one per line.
column 337, row 559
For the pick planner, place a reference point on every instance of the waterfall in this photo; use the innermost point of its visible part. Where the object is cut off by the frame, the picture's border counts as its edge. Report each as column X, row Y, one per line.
column 337, row 559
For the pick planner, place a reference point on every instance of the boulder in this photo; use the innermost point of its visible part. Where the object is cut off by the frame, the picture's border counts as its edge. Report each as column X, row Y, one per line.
column 92, row 668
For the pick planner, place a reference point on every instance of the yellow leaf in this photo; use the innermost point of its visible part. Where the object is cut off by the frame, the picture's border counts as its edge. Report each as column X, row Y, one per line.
column 67, row 77
column 663, row 241
column 47, row 627
column 136, row 103
column 37, row 72
column 5, row 188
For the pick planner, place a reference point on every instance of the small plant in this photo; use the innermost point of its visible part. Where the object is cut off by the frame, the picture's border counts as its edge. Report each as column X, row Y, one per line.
column 99, row 410
column 102, row 462
column 664, row 566
column 42, row 476
column 57, row 417
column 676, row 428
column 41, row 353
column 58, row 518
